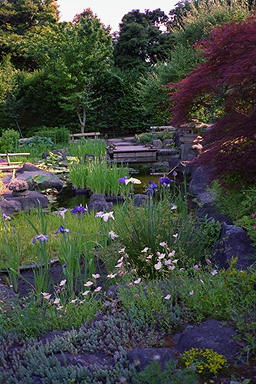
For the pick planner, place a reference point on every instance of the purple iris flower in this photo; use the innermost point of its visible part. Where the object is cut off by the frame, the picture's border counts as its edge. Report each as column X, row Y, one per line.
column 121, row 180
column 151, row 188
column 165, row 180
column 41, row 237
column 62, row 230
column 78, row 209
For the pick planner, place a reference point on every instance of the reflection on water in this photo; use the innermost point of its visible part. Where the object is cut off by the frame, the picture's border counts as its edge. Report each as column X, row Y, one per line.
column 67, row 198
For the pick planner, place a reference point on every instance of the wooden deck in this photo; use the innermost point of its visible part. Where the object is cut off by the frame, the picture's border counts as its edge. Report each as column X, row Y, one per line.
column 133, row 153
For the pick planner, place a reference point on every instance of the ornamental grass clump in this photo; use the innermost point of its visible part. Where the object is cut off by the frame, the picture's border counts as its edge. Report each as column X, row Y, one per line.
column 99, row 176
column 206, row 361
column 96, row 148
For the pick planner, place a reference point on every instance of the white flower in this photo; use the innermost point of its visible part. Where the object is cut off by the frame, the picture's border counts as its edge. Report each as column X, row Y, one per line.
column 175, row 235
column 113, row 235
column 132, row 180
column 137, row 281
column 61, row 212
column 122, row 250
column 98, row 289
column 56, row 301
column 105, row 216
column 173, row 207
column 111, row 275
column 164, row 244
column 119, row 265
column 171, row 267
column 62, row 283
column 46, row 295
column 171, row 254
column 144, row 250
column 168, row 262
column 73, row 301
column 59, row 308
column 191, row 293
column 167, row 297
column 96, row 276
column 120, row 260
column 214, row 272
column 85, row 293
column 149, row 257
column 158, row 265
column 175, row 261
column 88, row 284
column 201, row 281
column 99, row 214
column 161, row 256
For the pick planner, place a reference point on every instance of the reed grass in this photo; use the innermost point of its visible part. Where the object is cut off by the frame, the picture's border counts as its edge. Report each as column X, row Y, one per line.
column 84, row 147
column 99, row 176
column 84, row 227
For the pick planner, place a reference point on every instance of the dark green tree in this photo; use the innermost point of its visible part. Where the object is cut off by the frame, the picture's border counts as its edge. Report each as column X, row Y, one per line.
column 17, row 17
column 73, row 55
column 142, row 41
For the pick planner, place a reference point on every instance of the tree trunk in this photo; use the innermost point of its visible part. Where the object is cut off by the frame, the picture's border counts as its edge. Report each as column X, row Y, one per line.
column 82, row 119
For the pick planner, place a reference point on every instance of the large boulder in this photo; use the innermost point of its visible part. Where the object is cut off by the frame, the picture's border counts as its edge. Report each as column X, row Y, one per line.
column 201, row 178
column 210, row 334
column 157, row 143
column 98, row 203
column 37, row 178
column 234, row 243
column 10, row 204
column 209, row 210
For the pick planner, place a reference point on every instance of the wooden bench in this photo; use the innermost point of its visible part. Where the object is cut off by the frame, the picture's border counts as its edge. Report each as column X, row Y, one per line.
column 83, row 135
column 11, row 165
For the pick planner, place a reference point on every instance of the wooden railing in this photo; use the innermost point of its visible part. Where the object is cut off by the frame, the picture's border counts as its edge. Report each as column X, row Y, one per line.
column 8, row 164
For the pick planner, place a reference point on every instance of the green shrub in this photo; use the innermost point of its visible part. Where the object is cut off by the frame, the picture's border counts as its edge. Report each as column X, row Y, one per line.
column 153, row 223
column 153, row 374
column 35, row 316
column 148, row 137
column 219, row 295
column 59, row 135
column 9, row 141
column 38, row 141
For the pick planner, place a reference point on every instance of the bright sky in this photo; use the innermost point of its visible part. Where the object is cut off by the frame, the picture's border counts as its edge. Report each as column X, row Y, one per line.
column 111, row 12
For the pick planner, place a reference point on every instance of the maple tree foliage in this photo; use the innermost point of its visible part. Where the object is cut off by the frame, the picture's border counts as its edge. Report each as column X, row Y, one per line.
column 228, row 72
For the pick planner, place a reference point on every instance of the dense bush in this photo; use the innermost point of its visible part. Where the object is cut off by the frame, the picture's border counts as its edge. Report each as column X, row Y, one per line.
column 226, row 73
column 9, row 141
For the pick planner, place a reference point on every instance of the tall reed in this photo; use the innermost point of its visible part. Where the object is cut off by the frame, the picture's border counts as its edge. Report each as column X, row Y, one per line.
column 84, row 147
column 99, row 176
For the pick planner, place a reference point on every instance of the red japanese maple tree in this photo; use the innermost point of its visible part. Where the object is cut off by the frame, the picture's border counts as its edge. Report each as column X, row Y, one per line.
column 228, row 72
